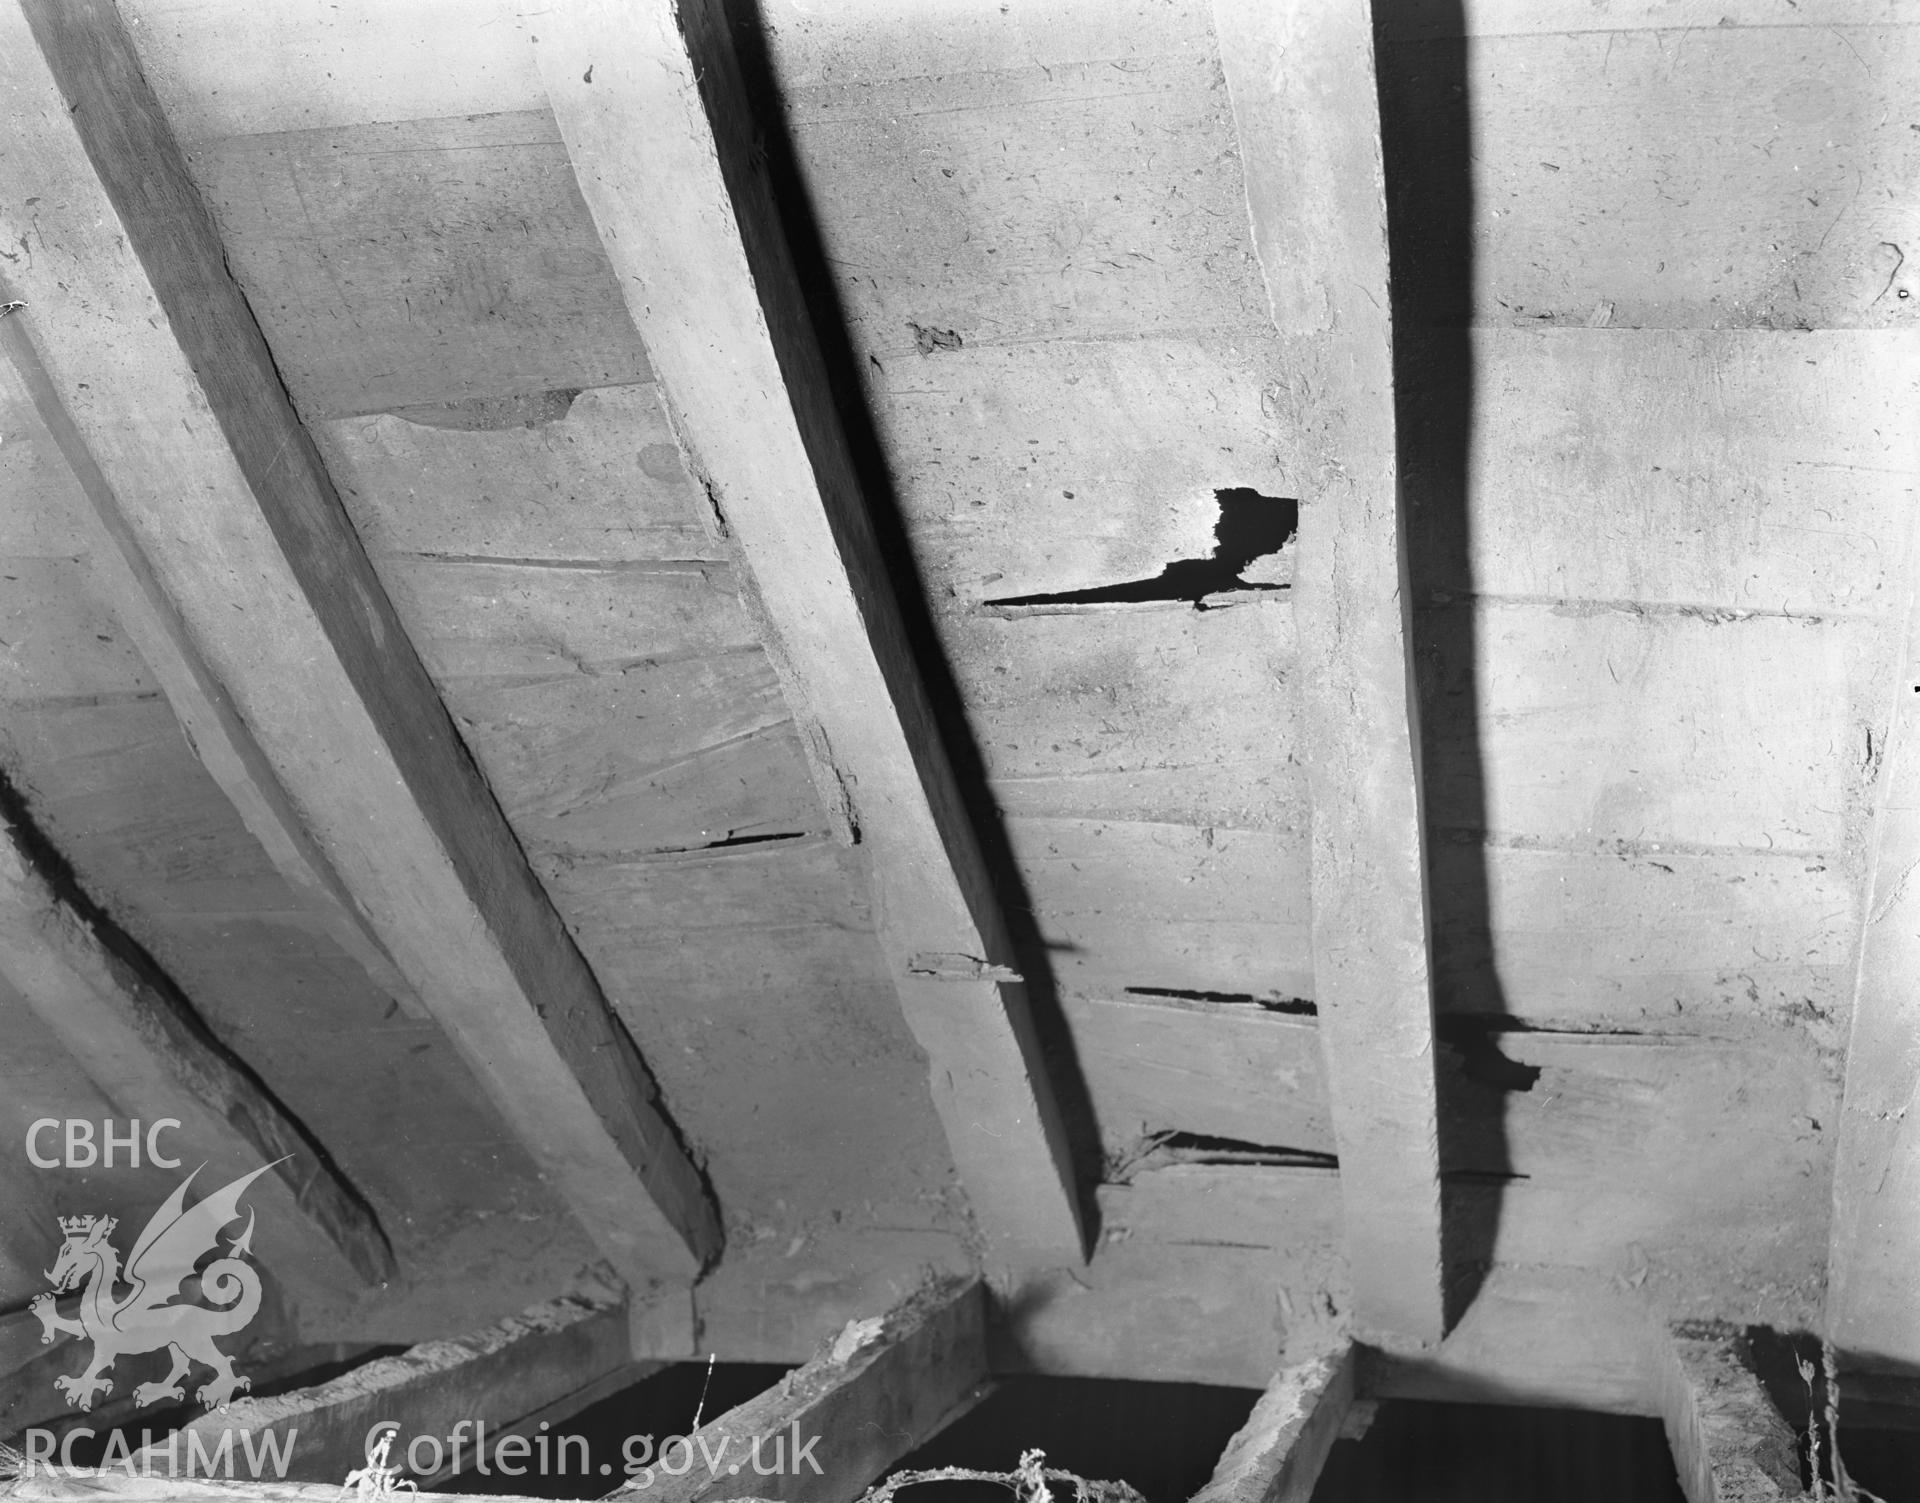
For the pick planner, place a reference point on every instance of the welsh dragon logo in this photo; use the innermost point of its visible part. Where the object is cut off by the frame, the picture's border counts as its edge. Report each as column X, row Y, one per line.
column 144, row 1319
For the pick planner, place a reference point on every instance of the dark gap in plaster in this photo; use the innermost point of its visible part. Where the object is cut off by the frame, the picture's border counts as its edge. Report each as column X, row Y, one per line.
column 1481, row 1176
column 1482, row 1062
column 1293, row 1006
column 1473, row 1045
column 846, row 375
column 1459, row 1025
column 739, row 840
column 1251, row 526
column 731, row 842
column 533, row 409
column 1205, row 1148
column 1427, row 145
column 1163, row 1147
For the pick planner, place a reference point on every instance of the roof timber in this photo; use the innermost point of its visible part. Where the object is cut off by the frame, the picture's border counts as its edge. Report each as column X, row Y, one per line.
column 692, row 230
column 155, row 1061
column 156, row 358
column 205, row 711
column 1306, row 110
column 1277, row 1455
column 547, row 1362
column 1730, row 1444
column 884, row 1386
column 1870, row 1308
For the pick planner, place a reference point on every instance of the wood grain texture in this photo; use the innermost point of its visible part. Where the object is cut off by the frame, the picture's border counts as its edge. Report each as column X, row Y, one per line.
column 419, row 261
column 142, row 1045
column 1226, row 1070
column 1689, row 1171
column 883, row 1387
column 121, row 795
column 1716, row 176
column 1094, row 401
column 696, row 239
column 1204, row 1274
column 751, row 975
column 495, row 1377
column 1122, row 904
column 603, row 482
column 1073, row 462
column 621, row 710
column 1730, row 1444
column 1624, row 936
column 833, row 46
column 1303, row 90
column 1610, row 725
column 234, row 69
column 1167, row 715
column 1715, row 470
column 1876, row 1173
column 166, row 377
column 1606, row 1354
column 1039, row 197
column 153, row 630
column 1492, row 18
column 1277, row 1455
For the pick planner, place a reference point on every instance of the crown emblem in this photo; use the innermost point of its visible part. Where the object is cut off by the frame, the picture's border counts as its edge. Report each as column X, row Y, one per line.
column 75, row 1226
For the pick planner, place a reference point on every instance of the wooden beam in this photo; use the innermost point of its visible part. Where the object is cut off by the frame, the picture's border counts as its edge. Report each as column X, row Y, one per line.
column 692, row 229
column 212, row 725
column 1301, row 79
column 1277, row 1455
column 153, row 352
column 1730, row 1444
column 883, row 1387
column 1874, row 1244
column 547, row 1362
column 152, row 1057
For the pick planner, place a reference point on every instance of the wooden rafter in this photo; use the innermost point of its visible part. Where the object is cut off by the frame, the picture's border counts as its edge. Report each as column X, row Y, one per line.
column 1875, row 1238
column 153, row 1059
column 1730, row 1444
column 692, row 230
column 1301, row 79
column 153, row 352
column 1277, row 1455
column 883, row 1387
column 206, row 712
column 548, row 1362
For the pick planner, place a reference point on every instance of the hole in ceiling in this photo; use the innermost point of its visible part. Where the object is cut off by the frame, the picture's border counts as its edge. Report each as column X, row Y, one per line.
column 1294, row 1006
column 1167, row 1146
column 1251, row 526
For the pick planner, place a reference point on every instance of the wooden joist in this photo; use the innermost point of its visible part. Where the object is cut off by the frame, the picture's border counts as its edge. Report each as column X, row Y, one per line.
column 206, row 713
column 154, row 354
column 1875, row 1240
column 691, row 227
column 1305, row 105
column 883, row 1387
column 1277, row 1455
column 1730, row 1444
column 545, row 1363
column 154, row 1059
